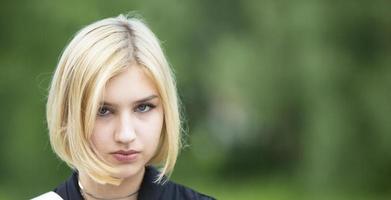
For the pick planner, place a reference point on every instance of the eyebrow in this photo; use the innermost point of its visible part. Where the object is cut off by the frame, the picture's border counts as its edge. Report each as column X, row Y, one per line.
column 148, row 98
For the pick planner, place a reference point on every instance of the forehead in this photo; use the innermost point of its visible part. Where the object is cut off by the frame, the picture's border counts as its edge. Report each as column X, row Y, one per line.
column 132, row 84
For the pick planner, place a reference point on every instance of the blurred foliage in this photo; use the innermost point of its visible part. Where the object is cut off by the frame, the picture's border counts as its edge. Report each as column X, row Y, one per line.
column 284, row 99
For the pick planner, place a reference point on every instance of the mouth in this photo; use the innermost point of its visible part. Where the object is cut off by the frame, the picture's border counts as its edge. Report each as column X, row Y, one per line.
column 126, row 156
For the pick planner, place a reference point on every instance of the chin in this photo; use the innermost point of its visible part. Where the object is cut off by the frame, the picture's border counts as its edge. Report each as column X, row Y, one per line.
column 129, row 170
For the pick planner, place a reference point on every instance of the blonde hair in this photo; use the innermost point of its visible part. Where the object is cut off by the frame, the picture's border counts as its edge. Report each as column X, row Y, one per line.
column 97, row 53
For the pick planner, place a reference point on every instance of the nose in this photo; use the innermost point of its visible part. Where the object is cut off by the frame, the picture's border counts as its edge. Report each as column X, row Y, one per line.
column 125, row 130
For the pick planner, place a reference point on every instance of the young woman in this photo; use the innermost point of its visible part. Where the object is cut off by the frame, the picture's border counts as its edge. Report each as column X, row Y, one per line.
column 113, row 115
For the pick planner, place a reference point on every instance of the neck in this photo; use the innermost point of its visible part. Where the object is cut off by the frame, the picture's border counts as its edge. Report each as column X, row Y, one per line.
column 107, row 191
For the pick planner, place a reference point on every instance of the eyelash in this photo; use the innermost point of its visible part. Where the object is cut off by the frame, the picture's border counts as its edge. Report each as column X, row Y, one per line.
column 105, row 108
column 147, row 107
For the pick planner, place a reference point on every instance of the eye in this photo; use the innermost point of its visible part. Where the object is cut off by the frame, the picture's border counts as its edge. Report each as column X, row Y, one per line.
column 144, row 108
column 103, row 111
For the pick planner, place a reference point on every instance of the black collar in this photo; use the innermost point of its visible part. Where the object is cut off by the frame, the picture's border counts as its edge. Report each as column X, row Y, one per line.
column 149, row 188
column 70, row 190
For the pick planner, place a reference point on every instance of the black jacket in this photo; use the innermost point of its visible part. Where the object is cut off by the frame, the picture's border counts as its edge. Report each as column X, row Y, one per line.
column 69, row 190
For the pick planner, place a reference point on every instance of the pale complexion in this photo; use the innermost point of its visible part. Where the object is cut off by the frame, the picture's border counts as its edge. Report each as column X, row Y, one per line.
column 130, row 120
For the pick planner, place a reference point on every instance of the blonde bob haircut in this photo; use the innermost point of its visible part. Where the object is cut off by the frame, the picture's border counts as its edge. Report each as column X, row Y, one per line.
column 97, row 53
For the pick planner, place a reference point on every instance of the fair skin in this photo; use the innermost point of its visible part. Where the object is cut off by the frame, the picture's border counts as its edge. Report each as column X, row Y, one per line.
column 126, row 132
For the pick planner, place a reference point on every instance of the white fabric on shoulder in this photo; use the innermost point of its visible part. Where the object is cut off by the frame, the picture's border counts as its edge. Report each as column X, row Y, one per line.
column 48, row 196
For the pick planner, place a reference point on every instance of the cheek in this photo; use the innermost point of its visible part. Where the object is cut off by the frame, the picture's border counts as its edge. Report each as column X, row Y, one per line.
column 100, row 135
column 151, row 130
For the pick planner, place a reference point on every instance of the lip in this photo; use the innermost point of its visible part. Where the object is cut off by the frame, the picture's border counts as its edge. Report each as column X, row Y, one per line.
column 126, row 156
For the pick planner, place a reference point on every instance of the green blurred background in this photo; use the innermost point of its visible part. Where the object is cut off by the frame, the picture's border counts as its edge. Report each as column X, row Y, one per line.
column 284, row 99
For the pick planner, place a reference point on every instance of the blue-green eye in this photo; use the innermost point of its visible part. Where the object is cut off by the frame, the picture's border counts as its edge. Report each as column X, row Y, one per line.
column 144, row 108
column 103, row 111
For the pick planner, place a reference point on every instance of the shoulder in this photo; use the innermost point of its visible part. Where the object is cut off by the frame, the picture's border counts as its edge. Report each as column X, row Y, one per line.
column 48, row 196
column 167, row 190
column 177, row 191
column 68, row 190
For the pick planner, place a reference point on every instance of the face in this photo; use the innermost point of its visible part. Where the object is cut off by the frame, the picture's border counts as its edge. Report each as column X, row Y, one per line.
column 129, row 122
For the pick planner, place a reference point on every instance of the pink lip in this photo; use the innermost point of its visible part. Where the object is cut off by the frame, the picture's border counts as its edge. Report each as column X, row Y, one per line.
column 126, row 156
